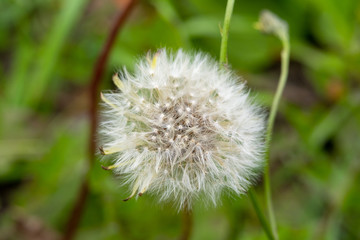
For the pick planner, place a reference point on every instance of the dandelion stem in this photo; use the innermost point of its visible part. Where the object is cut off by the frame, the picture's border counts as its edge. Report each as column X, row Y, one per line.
column 187, row 223
column 79, row 205
column 274, row 107
column 223, row 61
column 225, row 32
column 260, row 214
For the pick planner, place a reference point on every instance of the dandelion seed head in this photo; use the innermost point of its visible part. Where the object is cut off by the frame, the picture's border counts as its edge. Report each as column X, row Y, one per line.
column 182, row 129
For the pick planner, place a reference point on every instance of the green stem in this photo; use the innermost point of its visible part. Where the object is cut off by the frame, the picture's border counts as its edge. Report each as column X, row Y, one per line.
column 260, row 214
column 225, row 32
column 270, row 232
column 274, row 107
column 224, row 61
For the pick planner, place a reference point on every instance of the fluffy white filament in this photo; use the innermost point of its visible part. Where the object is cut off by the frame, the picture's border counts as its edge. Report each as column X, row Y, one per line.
column 181, row 128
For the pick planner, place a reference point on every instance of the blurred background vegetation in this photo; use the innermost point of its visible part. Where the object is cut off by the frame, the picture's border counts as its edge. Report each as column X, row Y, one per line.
column 48, row 49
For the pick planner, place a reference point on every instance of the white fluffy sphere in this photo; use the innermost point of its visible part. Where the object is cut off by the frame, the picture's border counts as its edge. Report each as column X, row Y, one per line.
column 181, row 128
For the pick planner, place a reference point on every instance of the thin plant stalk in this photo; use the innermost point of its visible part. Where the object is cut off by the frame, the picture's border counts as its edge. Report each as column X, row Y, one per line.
column 259, row 213
column 79, row 205
column 187, row 223
column 269, row 23
column 223, row 61
column 225, row 32
column 270, row 125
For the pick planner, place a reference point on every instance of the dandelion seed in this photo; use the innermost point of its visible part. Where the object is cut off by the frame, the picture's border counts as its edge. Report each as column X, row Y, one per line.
column 193, row 136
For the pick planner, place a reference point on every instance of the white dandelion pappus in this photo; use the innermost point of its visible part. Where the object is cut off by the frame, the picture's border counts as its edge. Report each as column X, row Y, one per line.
column 181, row 128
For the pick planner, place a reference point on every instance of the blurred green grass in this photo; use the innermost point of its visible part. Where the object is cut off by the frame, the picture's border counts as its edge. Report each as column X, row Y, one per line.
column 47, row 51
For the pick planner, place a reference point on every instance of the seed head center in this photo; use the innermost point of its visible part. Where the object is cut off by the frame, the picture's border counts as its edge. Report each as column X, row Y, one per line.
column 179, row 126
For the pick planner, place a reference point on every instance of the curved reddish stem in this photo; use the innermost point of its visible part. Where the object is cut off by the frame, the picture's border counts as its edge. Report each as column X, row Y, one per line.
column 78, row 209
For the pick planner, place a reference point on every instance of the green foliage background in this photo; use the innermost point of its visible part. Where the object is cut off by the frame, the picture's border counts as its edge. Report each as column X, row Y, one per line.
column 47, row 51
